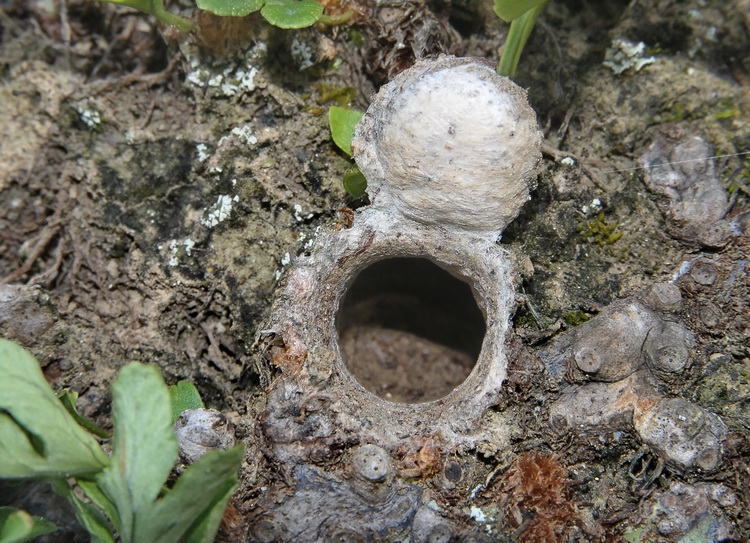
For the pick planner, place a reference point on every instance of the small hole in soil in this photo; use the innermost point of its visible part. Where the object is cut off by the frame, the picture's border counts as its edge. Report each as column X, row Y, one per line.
column 409, row 331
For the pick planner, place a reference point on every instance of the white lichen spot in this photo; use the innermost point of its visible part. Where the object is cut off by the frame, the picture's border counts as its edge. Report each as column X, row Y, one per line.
column 683, row 269
column 625, row 55
column 129, row 136
column 243, row 133
column 477, row 514
column 246, row 79
column 90, row 116
column 302, row 54
column 173, row 248
column 298, row 216
column 228, row 77
column 568, row 161
column 475, row 490
column 220, row 211
column 202, row 151
column 286, row 259
column 198, row 77
column 595, row 206
column 189, row 244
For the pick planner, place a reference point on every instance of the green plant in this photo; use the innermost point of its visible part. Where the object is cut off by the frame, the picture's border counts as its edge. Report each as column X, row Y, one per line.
column 281, row 13
column 600, row 231
column 521, row 14
column 127, row 497
column 17, row 526
column 342, row 121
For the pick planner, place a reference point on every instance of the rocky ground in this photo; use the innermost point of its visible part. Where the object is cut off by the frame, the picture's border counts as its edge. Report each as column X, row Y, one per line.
column 155, row 189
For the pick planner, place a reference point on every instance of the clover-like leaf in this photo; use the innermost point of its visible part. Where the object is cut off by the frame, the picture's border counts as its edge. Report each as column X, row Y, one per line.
column 230, row 8
column 291, row 13
column 184, row 396
column 342, row 121
column 355, row 182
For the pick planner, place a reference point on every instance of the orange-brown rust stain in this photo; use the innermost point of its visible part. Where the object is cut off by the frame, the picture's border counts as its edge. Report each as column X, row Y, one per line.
column 290, row 355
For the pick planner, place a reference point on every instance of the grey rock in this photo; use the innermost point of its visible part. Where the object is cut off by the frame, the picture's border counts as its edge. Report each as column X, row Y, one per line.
column 202, row 430
column 666, row 348
column 693, row 509
column 685, row 173
column 608, row 348
column 430, row 527
column 684, row 433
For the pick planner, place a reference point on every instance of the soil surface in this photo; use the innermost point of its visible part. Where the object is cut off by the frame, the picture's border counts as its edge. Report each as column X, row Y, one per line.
column 154, row 188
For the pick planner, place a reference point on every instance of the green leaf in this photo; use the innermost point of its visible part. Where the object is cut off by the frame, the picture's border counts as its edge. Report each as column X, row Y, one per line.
column 88, row 516
column 508, row 10
column 230, row 8
column 17, row 526
column 194, row 500
column 518, row 35
column 204, row 529
column 69, row 399
column 144, row 449
column 354, row 182
column 291, row 13
column 38, row 438
column 95, row 494
column 184, row 396
column 342, row 122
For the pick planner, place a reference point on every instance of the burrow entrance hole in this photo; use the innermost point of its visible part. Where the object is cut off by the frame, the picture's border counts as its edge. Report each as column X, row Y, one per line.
column 409, row 331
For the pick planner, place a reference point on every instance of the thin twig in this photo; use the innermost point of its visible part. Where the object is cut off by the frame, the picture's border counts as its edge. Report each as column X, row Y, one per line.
column 46, row 236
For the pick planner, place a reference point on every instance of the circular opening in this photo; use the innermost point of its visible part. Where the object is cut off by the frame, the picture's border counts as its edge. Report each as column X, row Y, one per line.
column 409, row 331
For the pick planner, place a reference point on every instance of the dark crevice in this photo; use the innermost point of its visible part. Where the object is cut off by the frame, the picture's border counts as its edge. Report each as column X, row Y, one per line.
column 409, row 330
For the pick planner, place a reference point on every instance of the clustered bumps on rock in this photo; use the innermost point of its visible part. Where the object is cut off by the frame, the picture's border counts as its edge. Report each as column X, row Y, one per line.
column 616, row 362
column 684, row 172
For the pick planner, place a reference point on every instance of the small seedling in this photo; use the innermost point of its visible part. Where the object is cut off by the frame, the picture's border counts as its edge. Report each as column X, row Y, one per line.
column 342, row 121
column 521, row 14
column 127, row 499
column 184, row 396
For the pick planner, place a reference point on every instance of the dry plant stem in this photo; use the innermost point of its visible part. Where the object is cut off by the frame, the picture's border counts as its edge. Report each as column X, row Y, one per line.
column 46, row 236
column 149, row 80
column 122, row 37
column 48, row 276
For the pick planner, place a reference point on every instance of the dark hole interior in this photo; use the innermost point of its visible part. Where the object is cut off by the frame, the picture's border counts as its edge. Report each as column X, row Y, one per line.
column 409, row 331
